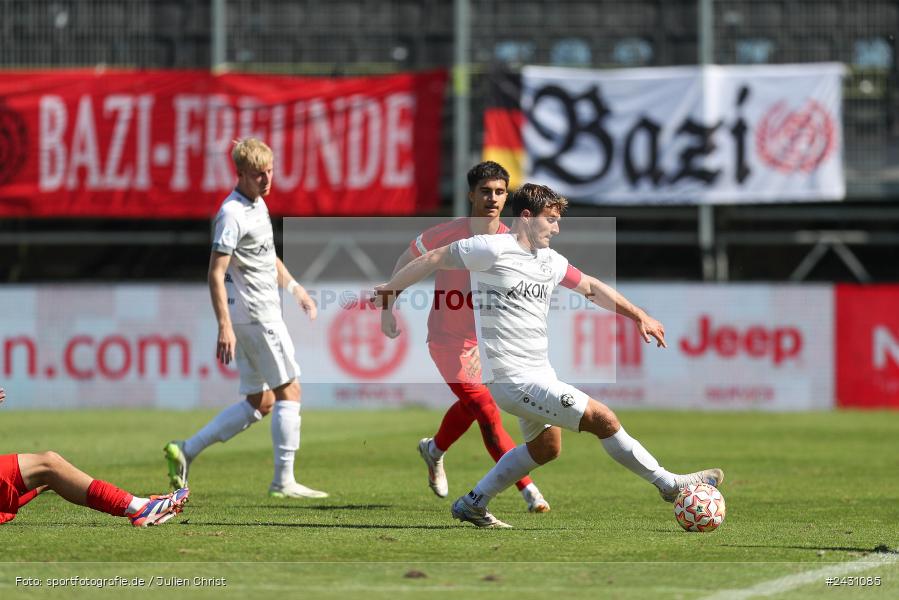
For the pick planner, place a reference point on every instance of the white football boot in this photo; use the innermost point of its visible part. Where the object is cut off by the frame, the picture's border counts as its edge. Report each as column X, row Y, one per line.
column 294, row 490
column 436, row 475
column 713, row 477
column 476, row 515
column 536, row 502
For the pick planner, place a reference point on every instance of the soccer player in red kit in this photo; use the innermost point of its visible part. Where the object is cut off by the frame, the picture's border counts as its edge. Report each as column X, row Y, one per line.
column 451, row 335
column 24, row 476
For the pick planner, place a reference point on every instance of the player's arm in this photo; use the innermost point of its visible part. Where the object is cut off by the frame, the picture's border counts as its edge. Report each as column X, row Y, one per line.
column 218, row 267
column 2, row 395
column 609, row 298
column 286, row 281
column 404, row 259
column 388, row 319
column 416, row 270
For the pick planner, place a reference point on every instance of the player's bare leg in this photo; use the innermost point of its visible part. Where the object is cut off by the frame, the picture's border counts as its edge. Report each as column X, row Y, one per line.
column 601, row 421
column 52, row 471
column 49, row 470
column 224, row 426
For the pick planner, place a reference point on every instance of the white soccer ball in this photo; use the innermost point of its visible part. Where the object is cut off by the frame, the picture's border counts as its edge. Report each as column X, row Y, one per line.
column 699, row 507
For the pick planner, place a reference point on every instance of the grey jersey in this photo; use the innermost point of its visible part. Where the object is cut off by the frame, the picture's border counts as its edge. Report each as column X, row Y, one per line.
column 511, row 289
column 243, row 229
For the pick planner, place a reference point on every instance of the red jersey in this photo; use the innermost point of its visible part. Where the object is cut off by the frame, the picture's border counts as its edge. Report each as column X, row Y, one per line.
column 446, row 325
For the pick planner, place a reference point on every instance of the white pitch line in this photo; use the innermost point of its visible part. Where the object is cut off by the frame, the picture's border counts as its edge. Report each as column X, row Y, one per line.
column 790, row 582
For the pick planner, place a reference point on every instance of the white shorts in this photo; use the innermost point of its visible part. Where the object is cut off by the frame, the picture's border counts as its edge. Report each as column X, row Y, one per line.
column 264, row 356
column 541, row 404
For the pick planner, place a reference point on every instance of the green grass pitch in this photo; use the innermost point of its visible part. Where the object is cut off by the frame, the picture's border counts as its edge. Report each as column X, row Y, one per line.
column 803, row 491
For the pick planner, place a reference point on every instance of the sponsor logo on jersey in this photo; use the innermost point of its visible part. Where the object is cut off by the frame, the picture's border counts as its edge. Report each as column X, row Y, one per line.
column 528, row 290
column 264, row 248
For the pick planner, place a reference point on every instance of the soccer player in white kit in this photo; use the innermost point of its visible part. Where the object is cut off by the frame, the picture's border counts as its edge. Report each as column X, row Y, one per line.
column 513, row 276
column 244, row 279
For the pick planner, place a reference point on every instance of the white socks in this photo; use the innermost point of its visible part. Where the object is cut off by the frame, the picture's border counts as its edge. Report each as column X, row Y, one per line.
column 135, row 505
column 514, row 464
column 285, row 439
column 530, row 492
column 222, row 428
column 434, row 451
column 630, row 453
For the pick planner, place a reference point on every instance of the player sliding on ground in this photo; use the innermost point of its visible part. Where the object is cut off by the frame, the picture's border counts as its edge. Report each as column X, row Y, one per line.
column 452, row 342
column 24, row 476
column 512, row 279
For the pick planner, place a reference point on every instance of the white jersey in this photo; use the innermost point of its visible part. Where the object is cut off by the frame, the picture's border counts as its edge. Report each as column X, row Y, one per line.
column 511, row 290
column 243, row 229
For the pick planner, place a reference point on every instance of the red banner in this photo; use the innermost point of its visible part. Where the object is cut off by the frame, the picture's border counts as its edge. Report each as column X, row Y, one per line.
column 157, row 143
column 867, row 353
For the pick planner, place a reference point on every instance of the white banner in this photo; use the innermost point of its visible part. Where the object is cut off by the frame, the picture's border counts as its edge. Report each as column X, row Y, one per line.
column 734, row 347
column 731, row 347
column 679, row 135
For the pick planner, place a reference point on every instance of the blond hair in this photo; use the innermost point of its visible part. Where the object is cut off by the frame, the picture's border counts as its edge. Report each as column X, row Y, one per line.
column 251, row 153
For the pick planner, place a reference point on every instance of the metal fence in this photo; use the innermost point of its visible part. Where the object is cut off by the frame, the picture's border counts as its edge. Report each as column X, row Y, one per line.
column 378, row 36
column 381, row 36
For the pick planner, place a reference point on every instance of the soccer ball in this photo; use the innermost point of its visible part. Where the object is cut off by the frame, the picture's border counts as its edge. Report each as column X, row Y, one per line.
column 699, row 507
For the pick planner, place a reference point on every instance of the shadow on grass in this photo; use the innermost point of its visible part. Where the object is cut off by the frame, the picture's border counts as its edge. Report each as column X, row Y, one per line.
column 319, row 506
column 318, row 525
column 877, row 549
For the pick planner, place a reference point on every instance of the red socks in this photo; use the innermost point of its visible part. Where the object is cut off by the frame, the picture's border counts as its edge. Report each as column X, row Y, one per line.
column 456, row 422
column 105, row 497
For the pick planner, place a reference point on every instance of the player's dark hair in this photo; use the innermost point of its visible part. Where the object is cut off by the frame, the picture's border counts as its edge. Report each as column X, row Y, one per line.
column 486, row 171
column 536, row 198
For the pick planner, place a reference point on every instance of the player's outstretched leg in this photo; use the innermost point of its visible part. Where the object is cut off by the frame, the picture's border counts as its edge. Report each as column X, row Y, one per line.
column 48, row 470
column 599, row 420
column 224, row 426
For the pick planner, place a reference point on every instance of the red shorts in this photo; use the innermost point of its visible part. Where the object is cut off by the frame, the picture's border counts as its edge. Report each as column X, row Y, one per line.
column 11, row 487
column 453, row 365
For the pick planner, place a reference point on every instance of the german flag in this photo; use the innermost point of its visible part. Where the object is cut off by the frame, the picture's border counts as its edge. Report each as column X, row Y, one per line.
column 503, row 120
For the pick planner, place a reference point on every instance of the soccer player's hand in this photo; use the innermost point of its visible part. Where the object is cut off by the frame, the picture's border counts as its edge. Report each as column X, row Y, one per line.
column 471, row 359
column 651, row 328
column 2, row 395
column 224, row 348
column 306, row 303
column 380, row 297
column 388, row 324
